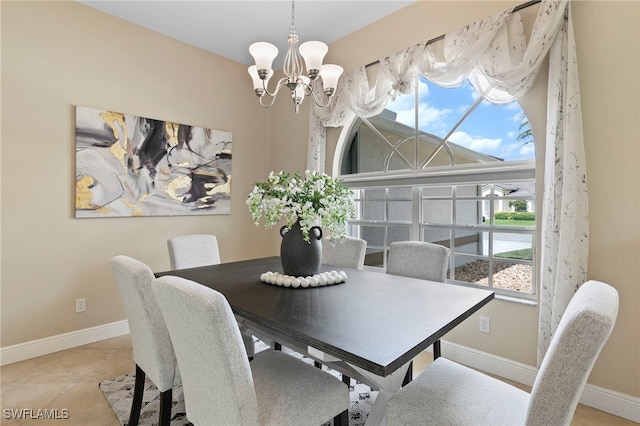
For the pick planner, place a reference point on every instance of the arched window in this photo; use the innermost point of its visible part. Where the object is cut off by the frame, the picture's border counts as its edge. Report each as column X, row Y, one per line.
column 445, row 166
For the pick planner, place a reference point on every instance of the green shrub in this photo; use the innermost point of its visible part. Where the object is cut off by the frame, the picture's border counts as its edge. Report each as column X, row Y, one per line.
column 518, row 205
column 515, row 215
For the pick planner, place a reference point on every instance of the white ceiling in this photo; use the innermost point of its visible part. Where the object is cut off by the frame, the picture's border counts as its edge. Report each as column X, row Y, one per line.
column 227, row 28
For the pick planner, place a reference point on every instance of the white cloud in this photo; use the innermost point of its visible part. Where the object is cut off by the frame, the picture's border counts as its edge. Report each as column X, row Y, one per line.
column 401, row 103
column 480, row 144
column 430, row 117
column 462, row 109
column 528, row 150
column 423, row 89
column 511, row 135
column 406, row 117
column 516, row 118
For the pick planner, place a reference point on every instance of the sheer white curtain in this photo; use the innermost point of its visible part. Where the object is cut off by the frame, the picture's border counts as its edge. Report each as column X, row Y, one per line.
column 565, row 212
column 356, row 95
column 494, row 56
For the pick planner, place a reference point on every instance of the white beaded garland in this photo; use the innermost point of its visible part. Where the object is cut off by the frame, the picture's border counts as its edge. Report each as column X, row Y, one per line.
column 318, row 280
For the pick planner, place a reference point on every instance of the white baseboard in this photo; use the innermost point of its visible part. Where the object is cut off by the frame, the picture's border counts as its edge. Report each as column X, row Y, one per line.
column 612, row 402
column 602, row 399
column 48, row 345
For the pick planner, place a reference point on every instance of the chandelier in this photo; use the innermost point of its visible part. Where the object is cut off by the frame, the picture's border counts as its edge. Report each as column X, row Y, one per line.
column 300, row 85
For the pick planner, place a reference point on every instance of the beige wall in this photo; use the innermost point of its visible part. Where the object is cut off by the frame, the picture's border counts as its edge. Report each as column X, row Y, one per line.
column 58, row 55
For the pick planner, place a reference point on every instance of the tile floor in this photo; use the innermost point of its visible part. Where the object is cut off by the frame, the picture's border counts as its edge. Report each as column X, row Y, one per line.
column 69, row 380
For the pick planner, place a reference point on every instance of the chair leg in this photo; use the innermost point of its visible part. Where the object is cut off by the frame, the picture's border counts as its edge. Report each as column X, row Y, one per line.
column 166, row 399
column 341, row 419
column 409, row 376
column 138, row 391
column 346, row 380
column 436, row 350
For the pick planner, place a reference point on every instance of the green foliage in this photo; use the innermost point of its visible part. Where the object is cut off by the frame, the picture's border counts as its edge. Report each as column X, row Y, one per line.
column 313, row 199
column 524, row 254
column 524, row 131
column 519, row 223
column 515, row 216
column 519, row 205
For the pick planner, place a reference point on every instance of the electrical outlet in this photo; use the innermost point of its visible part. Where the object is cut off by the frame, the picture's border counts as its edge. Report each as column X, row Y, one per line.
column 485, row 324
column 81, row 305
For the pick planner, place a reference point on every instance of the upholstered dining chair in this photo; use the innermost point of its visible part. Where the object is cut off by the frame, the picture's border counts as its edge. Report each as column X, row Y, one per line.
column 448, row 393
column 221, row 387
column 191, row 251
column 194, row 250
column 348, row 252
column 419, row 259
column 152, row 348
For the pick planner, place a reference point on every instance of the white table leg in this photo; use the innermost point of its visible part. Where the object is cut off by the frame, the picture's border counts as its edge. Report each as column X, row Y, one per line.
column 386, row 387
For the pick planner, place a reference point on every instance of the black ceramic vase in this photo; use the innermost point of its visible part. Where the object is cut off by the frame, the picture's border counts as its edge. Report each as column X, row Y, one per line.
column 300, row 258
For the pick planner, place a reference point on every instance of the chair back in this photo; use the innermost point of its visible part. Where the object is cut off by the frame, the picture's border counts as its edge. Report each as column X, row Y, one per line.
column 191, row 251
column 216, row 376
column 348, row 252
column 152, row 348
column 418, row 259
column 581, row 334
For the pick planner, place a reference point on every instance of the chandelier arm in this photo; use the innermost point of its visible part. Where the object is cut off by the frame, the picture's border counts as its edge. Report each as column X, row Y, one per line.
column 281, row 82
column 319, row 102
column 308, row 88
column 269, row 105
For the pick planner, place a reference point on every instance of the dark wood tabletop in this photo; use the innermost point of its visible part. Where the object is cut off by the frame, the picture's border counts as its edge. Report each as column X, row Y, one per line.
column 374, row 320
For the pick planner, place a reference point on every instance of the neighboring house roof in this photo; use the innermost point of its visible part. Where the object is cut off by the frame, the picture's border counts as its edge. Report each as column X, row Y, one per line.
column 387, row 121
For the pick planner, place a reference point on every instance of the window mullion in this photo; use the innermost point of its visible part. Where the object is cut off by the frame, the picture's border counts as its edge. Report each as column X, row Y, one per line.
column 416, row 110
column 416, row 214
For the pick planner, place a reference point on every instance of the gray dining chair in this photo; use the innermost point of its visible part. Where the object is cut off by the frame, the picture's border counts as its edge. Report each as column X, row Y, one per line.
column 448, row 393
column 221, row 387
column 152, row 348
column 195, row 250
column 418, row 259
column 191, row 251
column 348, row 252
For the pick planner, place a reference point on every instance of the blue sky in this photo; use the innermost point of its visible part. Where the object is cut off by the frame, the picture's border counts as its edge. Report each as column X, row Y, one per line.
column 490, row 129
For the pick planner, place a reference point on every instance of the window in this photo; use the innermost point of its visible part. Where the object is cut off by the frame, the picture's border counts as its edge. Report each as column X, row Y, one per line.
column 444, row 166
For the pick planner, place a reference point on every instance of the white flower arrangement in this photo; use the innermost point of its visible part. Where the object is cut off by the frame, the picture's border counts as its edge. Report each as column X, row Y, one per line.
column 315, row 200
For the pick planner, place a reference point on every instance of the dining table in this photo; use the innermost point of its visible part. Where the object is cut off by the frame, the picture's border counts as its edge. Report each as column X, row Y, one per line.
column 369, row 327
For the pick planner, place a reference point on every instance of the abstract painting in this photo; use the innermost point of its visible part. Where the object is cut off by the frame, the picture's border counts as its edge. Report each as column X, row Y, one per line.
column 135, row 166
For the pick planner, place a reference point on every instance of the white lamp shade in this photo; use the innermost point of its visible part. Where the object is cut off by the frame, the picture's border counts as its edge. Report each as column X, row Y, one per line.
column 330, row 74
column 264, row 54
column 313, row 53
column 257, row 82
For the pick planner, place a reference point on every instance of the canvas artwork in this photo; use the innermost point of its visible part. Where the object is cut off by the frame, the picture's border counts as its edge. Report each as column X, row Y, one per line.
column 135, row 166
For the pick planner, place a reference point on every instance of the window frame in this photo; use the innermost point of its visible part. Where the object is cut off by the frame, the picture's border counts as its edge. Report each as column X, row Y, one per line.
column 463, row 174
